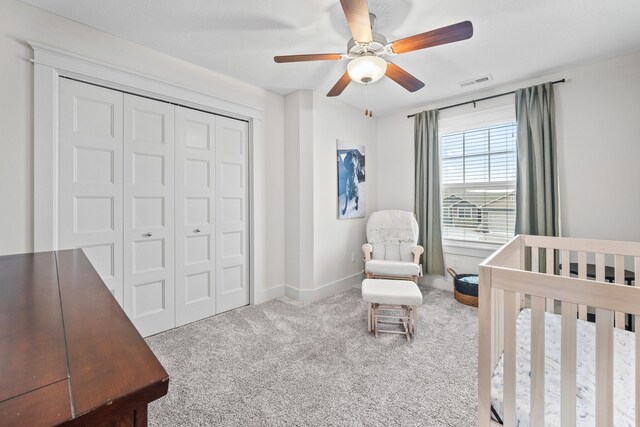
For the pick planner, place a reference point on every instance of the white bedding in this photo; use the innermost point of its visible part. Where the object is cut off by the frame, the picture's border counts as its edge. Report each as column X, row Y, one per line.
column 624, row 374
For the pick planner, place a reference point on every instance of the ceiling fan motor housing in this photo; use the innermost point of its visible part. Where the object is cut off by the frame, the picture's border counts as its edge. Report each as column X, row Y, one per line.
column 377, row 46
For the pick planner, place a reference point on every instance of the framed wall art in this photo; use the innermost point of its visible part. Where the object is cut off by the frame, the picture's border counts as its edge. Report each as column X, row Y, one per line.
column 351, row 180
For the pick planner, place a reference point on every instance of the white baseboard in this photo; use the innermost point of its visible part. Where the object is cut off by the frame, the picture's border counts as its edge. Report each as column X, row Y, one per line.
column 264, row 295
column 324, row 290
column 291, row 292
column 437, row 281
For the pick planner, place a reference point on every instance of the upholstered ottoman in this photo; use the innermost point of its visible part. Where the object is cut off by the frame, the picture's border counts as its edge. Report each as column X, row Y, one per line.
column 392, row 300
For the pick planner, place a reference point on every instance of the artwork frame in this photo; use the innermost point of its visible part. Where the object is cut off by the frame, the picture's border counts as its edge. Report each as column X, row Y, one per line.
column 350, row 161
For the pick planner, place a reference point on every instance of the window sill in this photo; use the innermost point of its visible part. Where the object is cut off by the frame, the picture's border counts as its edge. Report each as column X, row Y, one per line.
column 473, row 249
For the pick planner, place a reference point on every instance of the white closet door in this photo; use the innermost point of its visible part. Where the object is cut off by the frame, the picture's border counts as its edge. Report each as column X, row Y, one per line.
column 90, row 177
column 195, row 161
column 232, row 284
column 148, row 214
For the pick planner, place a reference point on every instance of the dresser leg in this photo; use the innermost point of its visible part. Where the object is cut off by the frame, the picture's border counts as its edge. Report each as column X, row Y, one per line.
column 140, row 417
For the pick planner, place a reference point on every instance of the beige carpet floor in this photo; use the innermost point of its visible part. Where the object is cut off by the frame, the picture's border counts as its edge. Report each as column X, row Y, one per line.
column 290, row 363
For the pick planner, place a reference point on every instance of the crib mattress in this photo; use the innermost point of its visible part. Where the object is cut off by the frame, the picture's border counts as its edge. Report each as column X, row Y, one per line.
column 624, row 374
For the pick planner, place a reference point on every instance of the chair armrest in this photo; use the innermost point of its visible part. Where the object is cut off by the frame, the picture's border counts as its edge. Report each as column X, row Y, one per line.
column 367, row 249
column 417, row 251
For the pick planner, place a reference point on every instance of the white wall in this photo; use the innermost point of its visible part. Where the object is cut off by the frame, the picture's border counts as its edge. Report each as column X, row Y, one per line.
column 292, row 171
column 319, row 247
column 20, row 23
column 597, row 113
column 336, row 240
column 298, row 174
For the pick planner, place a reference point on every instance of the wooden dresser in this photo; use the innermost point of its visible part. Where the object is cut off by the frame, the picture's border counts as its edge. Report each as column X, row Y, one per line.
column 68, row 353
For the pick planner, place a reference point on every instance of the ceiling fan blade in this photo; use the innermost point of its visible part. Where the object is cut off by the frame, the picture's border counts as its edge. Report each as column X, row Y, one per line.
column 449, row 34
column 308, row 57
column 403, row 78
column 357, row 13
column 340, row 85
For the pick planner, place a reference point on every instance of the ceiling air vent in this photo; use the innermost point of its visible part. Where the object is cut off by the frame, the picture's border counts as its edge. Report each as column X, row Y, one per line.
column 475, row 81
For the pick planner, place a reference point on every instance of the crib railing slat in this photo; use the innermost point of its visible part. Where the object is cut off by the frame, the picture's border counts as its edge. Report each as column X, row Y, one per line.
column 619, row 278
column 498, row 322
column 565, row 256
column 604, row 367
column 568, row 365
column 485, row 333
column 636, row 323
column 600, row 267
column 535, row 259
column 537, row 360
column 582, row 274
column 522, row 253
column 511, row 308
column 550, row 264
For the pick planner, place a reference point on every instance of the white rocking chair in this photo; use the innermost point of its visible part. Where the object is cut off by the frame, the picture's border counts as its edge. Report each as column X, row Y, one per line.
column 392, row 251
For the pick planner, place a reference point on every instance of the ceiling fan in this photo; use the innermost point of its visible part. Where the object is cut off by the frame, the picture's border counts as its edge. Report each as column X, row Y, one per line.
column 366, row 50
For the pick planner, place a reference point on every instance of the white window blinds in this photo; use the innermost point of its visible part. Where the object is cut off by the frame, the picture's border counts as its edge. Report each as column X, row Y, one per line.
column 478, row 175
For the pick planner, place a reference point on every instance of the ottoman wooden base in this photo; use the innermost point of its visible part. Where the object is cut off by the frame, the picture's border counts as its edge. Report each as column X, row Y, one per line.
column 392, row 302
column 404, row 315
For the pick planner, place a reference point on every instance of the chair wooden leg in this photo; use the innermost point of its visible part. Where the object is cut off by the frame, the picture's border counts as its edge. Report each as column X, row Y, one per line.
column 369, row 318
column 407, row 321
column 375, row 326
column 414, row 319
column 374, row 319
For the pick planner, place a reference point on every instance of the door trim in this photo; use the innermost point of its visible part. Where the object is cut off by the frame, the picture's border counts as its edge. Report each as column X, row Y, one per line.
column 50, row 64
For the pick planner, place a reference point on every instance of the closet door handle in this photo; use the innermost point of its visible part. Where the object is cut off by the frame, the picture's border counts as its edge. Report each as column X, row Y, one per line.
column 148, row 235
column 197, row 230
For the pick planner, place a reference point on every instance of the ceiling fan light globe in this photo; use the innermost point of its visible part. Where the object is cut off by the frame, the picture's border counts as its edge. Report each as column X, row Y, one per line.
column 367, row 69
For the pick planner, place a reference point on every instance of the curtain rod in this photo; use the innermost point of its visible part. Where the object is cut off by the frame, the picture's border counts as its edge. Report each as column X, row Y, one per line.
column 481, row 99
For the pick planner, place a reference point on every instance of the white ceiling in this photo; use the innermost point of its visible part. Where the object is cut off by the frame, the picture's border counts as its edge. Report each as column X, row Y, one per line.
column 513, row 39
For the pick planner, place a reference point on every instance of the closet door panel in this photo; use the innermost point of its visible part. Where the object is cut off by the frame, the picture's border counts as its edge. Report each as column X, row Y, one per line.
column 232, row 284
column 195, row 250
column 90, row 177
column 149, row 214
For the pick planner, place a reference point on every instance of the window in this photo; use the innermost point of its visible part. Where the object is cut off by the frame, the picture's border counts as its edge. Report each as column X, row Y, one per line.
column 478, row 176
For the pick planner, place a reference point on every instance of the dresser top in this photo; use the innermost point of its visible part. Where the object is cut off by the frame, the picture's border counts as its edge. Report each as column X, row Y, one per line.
column 67, row 349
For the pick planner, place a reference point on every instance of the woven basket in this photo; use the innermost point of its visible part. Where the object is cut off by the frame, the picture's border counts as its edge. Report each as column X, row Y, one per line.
column 465, row 299
column 459, row 296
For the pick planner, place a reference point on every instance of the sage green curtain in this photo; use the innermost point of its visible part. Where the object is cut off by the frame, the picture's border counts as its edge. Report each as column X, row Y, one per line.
column 537, row 209
column 427, row 190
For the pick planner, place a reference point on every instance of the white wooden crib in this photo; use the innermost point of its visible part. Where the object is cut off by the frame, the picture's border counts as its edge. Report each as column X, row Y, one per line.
column 510, row 281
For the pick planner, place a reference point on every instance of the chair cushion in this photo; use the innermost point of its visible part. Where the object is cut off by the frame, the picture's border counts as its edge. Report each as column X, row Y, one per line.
column 402, row 251
column 393, row 292
column 379, row 251
column 393, row 235
column 406, row 251
column 392, row 268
